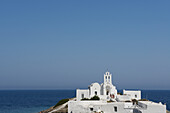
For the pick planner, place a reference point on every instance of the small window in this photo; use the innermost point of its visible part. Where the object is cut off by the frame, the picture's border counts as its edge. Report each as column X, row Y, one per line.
column 115, row 108
column 91, row 109
column 107, row 93
column 82, row 96
column 136, row 96
column 95, row 92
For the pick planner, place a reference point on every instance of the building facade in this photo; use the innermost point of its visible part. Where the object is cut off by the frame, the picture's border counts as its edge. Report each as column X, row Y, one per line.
column 106, row 91
column 111, row 101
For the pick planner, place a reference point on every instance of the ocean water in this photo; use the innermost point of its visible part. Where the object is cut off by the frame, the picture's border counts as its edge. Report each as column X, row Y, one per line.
column 158, row 96
column 33, row 101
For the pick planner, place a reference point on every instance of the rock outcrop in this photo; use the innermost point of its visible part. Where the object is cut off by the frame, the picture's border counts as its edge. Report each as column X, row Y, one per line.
column 58, row 109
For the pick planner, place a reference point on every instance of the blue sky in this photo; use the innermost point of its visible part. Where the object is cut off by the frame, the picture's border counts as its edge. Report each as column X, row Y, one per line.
column 64, row 44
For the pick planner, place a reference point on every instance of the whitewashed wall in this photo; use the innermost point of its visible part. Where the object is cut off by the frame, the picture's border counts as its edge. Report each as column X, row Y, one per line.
column 84, row 107
column 80, row 92
column 134, row 94
column 95, row 87
column 151, row 107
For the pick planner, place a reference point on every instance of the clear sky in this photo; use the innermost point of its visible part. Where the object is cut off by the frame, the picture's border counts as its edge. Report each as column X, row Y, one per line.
column 68, row 44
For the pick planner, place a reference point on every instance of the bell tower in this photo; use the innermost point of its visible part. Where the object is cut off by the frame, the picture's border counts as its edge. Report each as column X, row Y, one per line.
column 107, row 78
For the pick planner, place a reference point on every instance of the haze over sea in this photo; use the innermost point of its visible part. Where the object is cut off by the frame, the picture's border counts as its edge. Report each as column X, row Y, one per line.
column 33, row 101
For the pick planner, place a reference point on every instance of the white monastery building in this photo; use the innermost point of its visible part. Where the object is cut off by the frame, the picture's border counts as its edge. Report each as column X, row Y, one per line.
column 110, row 101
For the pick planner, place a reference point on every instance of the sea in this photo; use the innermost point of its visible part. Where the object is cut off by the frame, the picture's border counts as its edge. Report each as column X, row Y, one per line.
column 34, row 101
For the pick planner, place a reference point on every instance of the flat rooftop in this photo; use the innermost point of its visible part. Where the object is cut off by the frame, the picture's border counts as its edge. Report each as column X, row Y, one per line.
column 150, row 103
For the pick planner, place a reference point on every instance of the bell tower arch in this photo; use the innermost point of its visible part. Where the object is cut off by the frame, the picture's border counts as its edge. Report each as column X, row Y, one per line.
column 107, row 78
column 109, row 90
